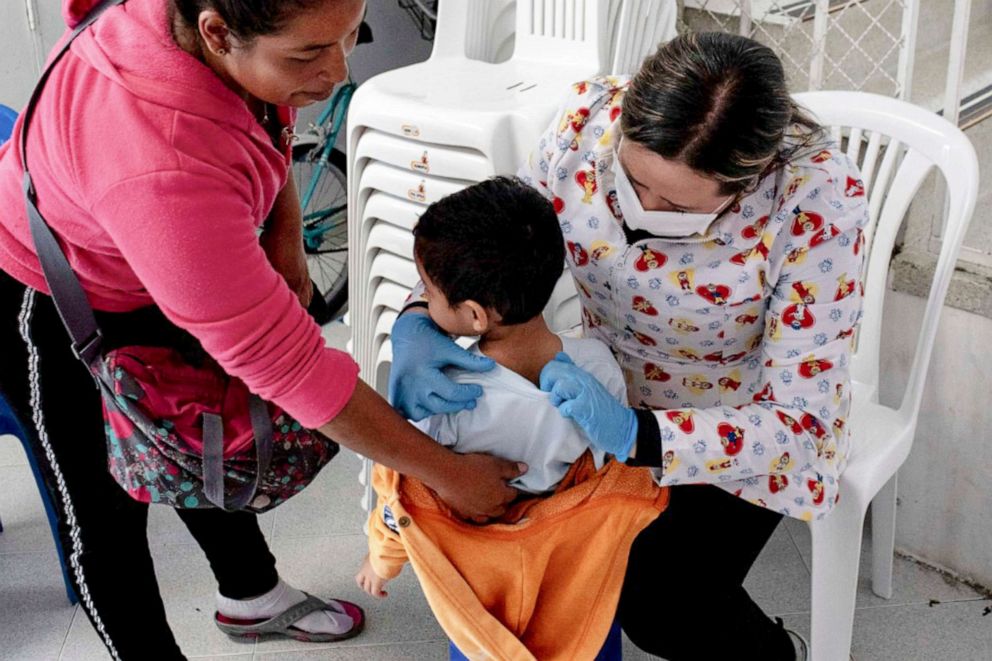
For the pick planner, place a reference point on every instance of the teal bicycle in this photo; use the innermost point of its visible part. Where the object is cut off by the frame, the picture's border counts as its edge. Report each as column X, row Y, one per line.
column 321, row 173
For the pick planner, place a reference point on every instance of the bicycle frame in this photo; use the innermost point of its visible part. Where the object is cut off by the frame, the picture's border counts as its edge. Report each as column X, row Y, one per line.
column 333, row 115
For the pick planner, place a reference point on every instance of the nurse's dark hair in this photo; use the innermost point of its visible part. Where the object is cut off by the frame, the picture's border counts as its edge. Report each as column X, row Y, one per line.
column 246, row 19
column 497, row 243
column 719, row 103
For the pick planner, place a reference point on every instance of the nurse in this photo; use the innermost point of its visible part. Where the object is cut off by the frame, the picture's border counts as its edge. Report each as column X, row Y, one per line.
column 714, row 233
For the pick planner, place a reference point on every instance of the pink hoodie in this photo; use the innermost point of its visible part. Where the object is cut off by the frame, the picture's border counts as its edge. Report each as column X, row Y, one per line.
column 155, row 177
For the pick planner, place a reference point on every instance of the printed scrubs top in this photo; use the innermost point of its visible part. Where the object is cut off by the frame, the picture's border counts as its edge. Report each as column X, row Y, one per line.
column 740, row 340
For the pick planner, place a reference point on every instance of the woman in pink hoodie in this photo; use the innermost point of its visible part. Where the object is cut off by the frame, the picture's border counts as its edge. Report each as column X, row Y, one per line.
column 159, row 147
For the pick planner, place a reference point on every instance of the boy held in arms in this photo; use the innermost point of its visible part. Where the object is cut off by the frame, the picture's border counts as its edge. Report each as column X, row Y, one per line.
column 489, row 257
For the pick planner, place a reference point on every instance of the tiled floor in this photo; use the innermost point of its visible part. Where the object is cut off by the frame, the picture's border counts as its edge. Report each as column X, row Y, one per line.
column 318, row 540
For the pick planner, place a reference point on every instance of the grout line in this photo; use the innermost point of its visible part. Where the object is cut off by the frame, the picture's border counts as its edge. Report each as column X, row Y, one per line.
column 284, row 536
column 68, row 629
column 944, row 573
column 40, row 549
column 323, row 647
column 908, row 604
column 790, row 613
column 795, row 545
column 914, row 604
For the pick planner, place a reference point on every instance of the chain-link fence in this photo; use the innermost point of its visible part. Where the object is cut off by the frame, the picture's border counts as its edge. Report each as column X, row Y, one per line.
column 824, row 44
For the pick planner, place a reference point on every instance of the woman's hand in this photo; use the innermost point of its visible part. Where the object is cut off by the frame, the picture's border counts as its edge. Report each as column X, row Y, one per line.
column 282, row 242
column 611, row 426
column 417, row 387
column 285, row 252
column 475, row 485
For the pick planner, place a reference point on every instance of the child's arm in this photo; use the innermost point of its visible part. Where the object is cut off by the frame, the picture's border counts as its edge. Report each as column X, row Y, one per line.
column 369, row 581
column 387, row 555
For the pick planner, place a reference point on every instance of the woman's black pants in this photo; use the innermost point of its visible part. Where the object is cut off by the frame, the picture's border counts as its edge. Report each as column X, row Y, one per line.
column 101, row 528
column 683, row 596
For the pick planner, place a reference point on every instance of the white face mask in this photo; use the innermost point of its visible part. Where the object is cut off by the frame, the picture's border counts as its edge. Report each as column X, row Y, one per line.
column 659, row 223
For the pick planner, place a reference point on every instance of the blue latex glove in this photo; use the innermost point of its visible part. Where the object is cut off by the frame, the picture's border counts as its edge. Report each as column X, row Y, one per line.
column 418, row 388
column 611, row 426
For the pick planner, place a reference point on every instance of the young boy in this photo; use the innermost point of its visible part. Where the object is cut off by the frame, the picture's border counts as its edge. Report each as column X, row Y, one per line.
column 489, row 257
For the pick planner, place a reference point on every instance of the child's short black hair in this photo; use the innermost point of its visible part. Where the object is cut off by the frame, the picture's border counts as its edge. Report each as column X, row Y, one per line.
column 497, row 243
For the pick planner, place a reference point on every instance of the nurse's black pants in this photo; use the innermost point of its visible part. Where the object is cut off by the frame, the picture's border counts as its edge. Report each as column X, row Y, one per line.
column 683, row 596
column 101, row 528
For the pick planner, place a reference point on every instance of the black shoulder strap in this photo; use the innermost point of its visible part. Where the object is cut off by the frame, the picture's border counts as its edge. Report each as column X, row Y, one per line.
column 67, row 292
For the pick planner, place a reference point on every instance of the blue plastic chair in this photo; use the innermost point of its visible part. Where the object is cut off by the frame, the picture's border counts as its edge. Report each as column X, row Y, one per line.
column 7, row 118
column 9, row 424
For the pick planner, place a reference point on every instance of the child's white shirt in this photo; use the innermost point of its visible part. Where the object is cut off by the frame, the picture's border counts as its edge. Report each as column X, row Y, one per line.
column 515, row 420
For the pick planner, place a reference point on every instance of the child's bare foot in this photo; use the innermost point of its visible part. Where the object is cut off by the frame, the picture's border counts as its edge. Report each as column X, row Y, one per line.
column 371, row 582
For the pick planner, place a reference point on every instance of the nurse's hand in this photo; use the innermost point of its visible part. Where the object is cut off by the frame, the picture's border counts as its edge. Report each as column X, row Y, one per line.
column 418, row 388
column 579, row 396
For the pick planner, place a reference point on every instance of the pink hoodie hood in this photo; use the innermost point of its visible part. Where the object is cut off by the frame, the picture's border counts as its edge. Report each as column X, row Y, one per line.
column 73, row 11
column 132, row 45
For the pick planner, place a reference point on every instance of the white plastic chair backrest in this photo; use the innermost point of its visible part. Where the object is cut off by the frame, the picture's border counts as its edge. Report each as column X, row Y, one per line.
column 568, row 32
column 896, row 144
column 502, row 22
column 638, row 29
column 465, row 28
column 609, row 35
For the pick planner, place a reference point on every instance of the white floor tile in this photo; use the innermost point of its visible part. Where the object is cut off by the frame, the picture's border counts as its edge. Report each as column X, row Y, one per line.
column 329, row 506
column 911, row 583
column 34, row 611
column 11, row 452
column 319, row 546
column 83, row 643
column 25, row 524
column 165, row 528
column 632, row 652
column 779, row 581
column 336, row 335
column 955, row 631
column 187, row 587
column 424, row 651
column 326, row 566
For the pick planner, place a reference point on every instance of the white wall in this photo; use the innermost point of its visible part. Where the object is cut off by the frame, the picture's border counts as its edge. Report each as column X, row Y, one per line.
column 22, row 49
column 945, row 487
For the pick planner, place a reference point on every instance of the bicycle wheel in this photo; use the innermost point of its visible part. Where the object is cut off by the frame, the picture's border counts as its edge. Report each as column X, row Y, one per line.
column 325, row 225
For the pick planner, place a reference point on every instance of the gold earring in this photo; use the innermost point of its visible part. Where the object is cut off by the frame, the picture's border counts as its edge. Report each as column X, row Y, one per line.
column 222, row 51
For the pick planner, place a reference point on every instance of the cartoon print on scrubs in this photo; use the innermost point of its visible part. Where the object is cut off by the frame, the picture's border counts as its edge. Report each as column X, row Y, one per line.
column 740, row 339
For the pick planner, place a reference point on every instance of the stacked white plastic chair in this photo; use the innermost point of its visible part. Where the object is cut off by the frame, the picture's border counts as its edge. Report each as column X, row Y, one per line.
column 490, row 28
column 896, row 146
column 422, row 132
column 637, row 27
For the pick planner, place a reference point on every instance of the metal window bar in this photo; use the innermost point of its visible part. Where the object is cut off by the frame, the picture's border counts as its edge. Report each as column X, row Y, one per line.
column 952, row 110
column 848, row 44
column 837, row 44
